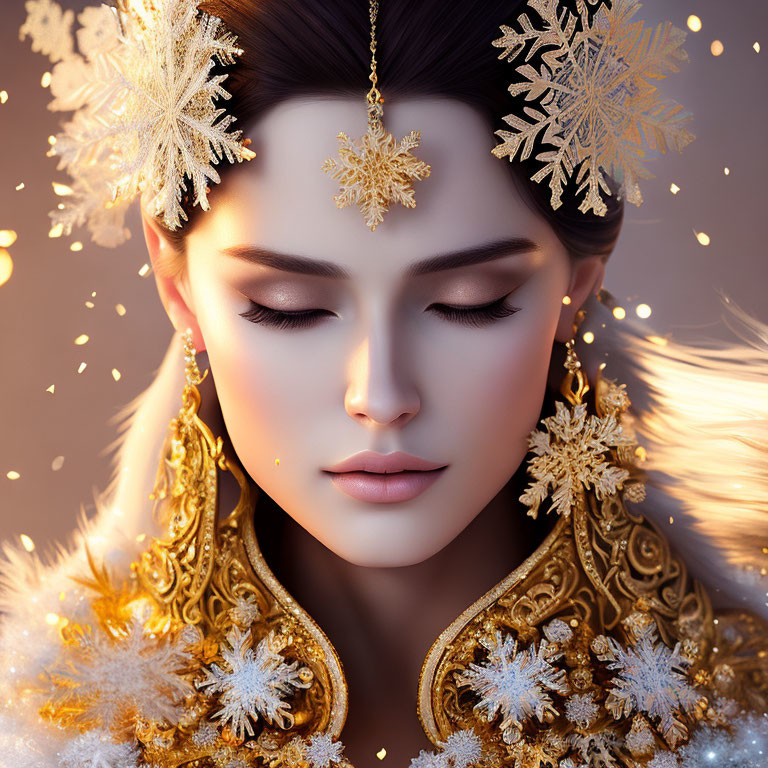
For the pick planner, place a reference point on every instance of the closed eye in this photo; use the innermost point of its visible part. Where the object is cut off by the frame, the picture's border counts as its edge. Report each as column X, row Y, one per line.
column 476, row 316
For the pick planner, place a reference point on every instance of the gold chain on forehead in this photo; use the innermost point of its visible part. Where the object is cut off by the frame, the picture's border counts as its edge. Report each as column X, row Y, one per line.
column 376, row 170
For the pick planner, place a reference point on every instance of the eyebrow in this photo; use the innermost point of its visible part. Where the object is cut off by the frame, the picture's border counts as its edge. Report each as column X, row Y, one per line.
column 464, row 257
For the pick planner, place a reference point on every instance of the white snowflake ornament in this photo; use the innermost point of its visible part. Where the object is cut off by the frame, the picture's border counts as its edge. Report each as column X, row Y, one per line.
column 104, row 678
column 581, row 709
column 514, row 683
column 651, row 678
column 321, row 750
column 462, row 749
column 97, row 749
column 253, row 683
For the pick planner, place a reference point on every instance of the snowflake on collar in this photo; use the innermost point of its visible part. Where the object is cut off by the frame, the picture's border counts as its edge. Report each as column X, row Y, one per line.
column 651, row 678
column 252, row 683
column 515, row 683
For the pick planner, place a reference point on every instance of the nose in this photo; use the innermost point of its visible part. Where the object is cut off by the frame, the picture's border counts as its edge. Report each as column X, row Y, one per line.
column 379, row 389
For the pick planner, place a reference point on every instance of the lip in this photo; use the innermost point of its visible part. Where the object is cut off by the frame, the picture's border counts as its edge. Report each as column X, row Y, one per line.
column 385, row 488
column 370, row 461
column 384, row 478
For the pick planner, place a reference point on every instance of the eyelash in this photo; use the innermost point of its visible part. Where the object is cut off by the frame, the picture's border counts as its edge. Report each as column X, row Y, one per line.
column 476, row 317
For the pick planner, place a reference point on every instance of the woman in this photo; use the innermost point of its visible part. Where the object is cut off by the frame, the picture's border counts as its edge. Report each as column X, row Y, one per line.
column 429, row 350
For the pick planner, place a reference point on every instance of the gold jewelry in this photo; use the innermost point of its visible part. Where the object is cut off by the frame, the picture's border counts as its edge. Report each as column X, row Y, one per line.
column 376, row 170
column 591, row 97
column 218, row 663
column 598, row 650
column 145, row 109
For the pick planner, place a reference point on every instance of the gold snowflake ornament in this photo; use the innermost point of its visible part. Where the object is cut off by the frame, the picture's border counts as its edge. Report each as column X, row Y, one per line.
column 376, row 170
column 145, row 108
column 571, row 455
column 595, row 97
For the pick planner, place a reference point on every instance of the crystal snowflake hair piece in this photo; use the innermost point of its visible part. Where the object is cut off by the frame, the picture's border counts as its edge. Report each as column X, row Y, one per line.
column 594, row 97
column 144, row 108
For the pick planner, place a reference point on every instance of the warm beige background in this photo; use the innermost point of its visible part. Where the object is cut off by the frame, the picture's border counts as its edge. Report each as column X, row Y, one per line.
column 42, row 306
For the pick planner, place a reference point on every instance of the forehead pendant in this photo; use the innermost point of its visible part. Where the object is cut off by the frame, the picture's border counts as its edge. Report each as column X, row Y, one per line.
column 376, row 170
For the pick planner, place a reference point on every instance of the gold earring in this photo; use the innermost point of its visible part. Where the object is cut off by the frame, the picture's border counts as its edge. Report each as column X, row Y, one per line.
column 578, row 451
column 186, row 485
column 376, row 170
column 211, row 584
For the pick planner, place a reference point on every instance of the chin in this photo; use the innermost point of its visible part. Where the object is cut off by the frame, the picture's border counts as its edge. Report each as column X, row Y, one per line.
column 393, row 553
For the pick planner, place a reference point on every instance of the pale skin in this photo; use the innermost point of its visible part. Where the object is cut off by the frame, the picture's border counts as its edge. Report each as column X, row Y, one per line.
column 380, row 368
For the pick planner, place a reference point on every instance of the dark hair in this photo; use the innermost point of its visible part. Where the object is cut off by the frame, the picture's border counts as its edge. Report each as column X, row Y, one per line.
column 296, row 48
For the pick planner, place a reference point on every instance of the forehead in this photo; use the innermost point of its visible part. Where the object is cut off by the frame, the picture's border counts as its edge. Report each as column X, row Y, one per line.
column 282, row 200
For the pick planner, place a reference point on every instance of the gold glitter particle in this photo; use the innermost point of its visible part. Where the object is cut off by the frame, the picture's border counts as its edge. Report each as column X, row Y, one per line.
column 6, row 266
column 7, row 238
column 381, row 754
column 89, row 304
column 717, row 48
column 93, row 294
column 703, row 238
column 727, row 171
column 62, row 190
column 756, row 47
column 13, row 475
column 76, row 246
column 57, row 463
column 588, row 337
column 671, row 520
column 144, row 270
column 51, row 140
column 52, row 618
column 3, row 97
column 120, row 309
column 81, row 339
column 81, row 367
column 643, row 310
column 27, row 542
column 116, row 374
column 141, row 537
column 641, row 453
column 20, row 186
column 51, row 389
column 56, row 230
column 694, row 23
column 674, row 189
column 45, row 80
column 277, row 462
column 619, row 313
column 566, row 300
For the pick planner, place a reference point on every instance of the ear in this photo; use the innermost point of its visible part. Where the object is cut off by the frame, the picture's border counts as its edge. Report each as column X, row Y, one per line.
column 586, row 278
column 174, row 291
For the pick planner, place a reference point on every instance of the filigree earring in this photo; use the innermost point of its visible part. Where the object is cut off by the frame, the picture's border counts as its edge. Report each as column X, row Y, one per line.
column 376, row 170
column 578, row 451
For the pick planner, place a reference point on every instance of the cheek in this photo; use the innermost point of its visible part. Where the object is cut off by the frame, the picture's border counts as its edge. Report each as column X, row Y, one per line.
column 497, row 391
column 276, row 390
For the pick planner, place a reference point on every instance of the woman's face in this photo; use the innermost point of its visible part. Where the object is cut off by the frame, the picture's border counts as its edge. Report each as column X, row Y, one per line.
column 407, row 341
